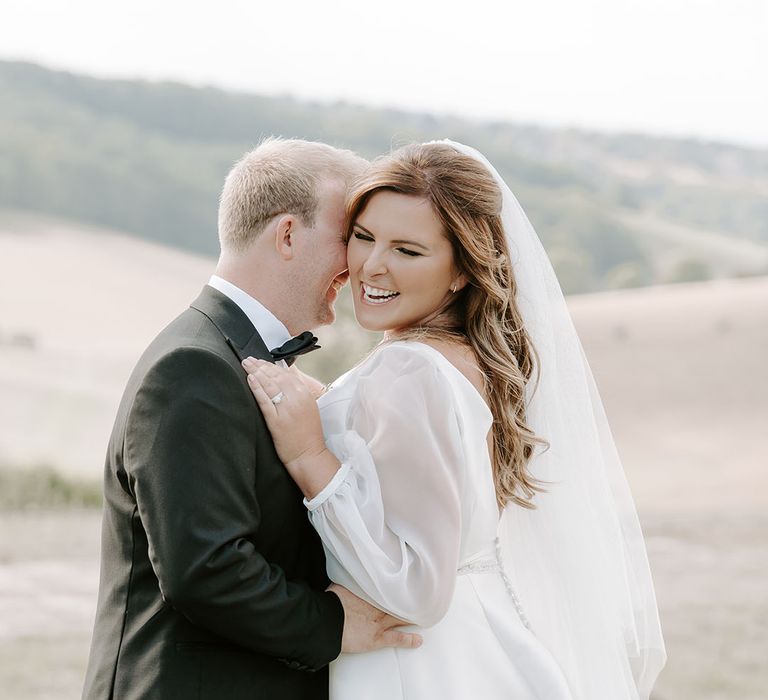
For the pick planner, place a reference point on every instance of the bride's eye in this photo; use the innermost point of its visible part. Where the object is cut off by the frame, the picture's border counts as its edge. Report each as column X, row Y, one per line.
column 362, row 236
column 406, row 251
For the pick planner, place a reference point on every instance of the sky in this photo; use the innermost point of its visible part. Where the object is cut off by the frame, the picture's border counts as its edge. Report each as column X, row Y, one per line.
column 695, row 68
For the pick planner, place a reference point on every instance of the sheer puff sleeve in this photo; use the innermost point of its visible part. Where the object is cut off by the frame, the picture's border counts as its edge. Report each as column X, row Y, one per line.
column 390, row 519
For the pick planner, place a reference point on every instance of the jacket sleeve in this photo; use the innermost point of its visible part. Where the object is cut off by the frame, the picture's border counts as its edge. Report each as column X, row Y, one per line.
column 189, row 454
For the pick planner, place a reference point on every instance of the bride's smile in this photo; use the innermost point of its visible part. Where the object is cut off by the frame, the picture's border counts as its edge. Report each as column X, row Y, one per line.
column 375, row 295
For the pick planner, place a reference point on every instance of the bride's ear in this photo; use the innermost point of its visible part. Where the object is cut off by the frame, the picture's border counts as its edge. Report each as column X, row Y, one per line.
column 459, row 282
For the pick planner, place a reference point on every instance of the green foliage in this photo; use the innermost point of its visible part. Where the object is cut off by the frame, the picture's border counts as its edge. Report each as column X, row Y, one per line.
column 736, row 210
column 574, row 269
column 150, row 159
column 628, row 275
column 44, row 487
column 690, row 270
column 585, row 243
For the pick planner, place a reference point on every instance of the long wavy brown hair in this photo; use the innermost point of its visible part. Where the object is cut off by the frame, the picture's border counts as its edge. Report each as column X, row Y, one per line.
column 484, row 314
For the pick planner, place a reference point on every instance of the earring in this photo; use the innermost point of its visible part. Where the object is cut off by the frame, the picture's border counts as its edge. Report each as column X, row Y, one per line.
column 453, row 288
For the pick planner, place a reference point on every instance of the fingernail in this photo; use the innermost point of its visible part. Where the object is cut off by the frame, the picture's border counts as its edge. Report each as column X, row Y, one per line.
column 247, row 361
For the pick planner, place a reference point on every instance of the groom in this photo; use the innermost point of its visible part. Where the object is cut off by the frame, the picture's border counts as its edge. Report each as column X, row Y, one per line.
column 212, row 579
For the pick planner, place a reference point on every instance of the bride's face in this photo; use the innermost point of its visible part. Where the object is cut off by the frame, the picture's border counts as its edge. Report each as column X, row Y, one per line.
column 400, row 263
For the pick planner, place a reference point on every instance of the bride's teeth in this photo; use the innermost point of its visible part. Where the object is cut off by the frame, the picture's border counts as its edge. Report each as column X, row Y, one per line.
column 378, row 296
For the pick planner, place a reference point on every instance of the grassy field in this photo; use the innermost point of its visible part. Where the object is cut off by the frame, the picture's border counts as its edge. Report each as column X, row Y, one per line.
column 710, row 572
column 48, row 585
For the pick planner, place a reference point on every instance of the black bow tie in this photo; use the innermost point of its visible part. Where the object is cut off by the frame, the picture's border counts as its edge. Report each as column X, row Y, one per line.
column 291, row 349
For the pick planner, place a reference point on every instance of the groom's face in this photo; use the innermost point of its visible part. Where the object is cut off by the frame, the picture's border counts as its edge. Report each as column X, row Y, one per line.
column 324, row 258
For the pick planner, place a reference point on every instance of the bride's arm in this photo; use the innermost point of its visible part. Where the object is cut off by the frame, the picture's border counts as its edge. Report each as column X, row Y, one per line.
column 388, row 508
column 289, row 408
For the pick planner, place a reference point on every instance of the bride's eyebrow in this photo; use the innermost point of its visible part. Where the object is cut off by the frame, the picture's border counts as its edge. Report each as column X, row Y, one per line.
column 399, row 241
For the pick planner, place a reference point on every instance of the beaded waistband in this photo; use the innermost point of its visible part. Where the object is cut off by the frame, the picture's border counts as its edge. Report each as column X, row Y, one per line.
column 494, row 565
column 479, row 566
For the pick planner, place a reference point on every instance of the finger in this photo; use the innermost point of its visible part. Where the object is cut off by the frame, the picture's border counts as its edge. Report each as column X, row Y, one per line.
column 262, row 399
column 401, row 640
column 271, row 387
column 249, row 364
column 281, row 380
column 276, row 374
column 387, row 621
column 271, row 369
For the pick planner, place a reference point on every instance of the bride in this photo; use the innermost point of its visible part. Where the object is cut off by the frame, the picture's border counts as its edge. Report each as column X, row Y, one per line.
column 463, row 476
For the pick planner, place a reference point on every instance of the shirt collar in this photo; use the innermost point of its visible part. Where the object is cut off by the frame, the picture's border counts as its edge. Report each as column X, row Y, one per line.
column 269, row 327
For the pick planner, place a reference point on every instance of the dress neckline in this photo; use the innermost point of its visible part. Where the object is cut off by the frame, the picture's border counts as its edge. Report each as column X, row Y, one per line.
column 442, row 359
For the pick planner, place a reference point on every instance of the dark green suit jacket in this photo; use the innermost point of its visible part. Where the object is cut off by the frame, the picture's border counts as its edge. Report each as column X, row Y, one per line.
column 212, row 578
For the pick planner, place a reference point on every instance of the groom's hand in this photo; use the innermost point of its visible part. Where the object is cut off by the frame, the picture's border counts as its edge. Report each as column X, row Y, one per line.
column 367, row 628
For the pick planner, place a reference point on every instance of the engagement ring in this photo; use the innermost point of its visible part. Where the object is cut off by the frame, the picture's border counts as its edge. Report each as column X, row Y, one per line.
column 278, row 398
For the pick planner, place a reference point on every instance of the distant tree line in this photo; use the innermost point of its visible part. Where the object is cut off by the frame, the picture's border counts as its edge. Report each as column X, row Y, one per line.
column 150, row 159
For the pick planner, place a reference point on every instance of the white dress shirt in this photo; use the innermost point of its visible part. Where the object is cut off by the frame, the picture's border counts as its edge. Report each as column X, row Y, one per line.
column 269, row 327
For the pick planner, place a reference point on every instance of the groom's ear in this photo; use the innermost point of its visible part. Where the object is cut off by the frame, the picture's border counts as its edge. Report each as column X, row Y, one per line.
column 284, row 232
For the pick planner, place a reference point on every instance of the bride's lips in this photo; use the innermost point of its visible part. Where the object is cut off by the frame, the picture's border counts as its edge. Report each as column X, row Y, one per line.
column 387, row 296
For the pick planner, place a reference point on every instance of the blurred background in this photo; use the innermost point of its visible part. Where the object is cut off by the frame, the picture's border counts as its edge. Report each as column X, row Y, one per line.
column 635, row 135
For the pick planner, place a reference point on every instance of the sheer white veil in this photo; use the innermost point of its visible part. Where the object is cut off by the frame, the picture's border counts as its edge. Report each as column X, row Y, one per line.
column 578, row 561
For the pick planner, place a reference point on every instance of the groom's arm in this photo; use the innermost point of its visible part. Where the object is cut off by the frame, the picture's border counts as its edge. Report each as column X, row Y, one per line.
column 189, row 455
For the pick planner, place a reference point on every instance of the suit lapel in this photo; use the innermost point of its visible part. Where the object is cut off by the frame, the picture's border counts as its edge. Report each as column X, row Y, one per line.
column 233, row 324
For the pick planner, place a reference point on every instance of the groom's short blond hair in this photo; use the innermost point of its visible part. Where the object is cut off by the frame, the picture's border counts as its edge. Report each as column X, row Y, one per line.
column 280, row 176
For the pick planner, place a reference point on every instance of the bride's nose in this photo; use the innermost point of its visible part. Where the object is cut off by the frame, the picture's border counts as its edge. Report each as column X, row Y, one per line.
column 375, row 263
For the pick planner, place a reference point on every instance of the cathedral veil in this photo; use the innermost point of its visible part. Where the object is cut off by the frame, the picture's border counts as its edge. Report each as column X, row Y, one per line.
column 578, row 561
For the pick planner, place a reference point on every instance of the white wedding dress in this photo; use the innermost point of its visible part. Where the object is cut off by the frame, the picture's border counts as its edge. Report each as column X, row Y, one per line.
column 409, row 523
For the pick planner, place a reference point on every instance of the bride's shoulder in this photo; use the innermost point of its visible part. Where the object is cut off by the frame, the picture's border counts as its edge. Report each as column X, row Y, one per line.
column 385, row 369
column 462, row 358
column 398, row 357
column 404, row 355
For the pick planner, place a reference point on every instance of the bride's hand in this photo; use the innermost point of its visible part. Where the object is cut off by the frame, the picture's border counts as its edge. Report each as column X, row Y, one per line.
column 315, row 386
column 289, row 408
